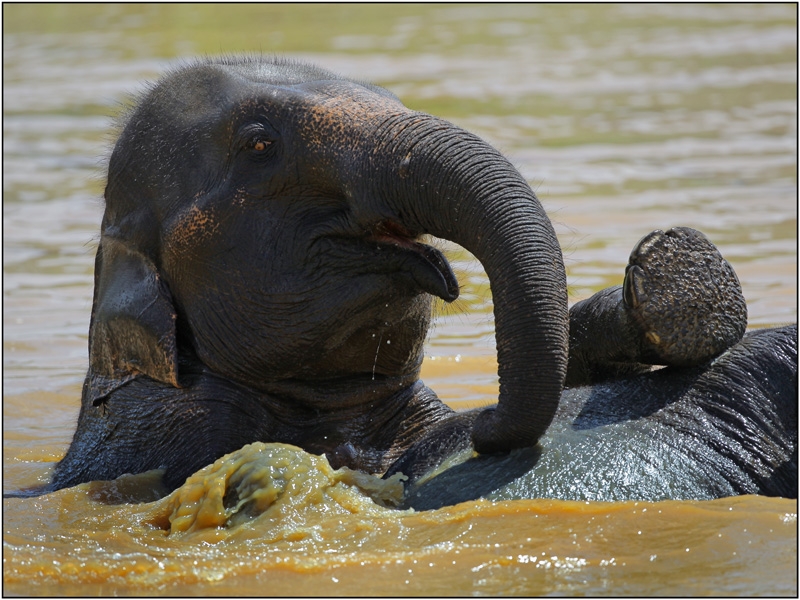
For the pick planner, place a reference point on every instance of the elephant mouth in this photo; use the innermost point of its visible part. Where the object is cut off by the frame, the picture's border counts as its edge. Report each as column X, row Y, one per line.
column 426, row 265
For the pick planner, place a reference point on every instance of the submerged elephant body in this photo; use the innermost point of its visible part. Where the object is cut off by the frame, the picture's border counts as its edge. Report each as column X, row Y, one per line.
column 262, row 276
column 682, row 436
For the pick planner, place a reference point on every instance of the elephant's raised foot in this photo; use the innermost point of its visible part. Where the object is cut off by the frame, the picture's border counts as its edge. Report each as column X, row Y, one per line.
column 683, row 298
column 680, row 305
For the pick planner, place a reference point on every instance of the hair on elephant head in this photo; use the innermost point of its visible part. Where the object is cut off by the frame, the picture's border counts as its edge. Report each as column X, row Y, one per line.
column 264, row 224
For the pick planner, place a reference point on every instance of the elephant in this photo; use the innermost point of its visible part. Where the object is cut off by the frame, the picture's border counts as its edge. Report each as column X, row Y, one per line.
column 263, row 274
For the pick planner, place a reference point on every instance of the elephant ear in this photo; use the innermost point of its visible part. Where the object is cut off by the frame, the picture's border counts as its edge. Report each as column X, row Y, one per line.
column 132, row 332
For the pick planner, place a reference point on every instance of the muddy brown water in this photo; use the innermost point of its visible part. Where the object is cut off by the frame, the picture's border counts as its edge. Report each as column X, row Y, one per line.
column 624, row 118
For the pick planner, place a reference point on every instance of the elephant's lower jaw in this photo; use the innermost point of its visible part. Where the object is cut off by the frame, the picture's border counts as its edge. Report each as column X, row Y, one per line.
column 426, row 265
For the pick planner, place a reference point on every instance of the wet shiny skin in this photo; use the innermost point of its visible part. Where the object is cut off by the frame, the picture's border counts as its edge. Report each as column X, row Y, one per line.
column 623, row 118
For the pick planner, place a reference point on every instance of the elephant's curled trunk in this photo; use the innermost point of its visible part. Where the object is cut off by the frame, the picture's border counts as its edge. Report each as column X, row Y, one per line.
column 436, row 178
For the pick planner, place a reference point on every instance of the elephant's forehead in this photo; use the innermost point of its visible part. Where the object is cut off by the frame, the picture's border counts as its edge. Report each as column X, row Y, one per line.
column 327, row 99
column 206, row 93
column 277, row 72
column 334, row 107
column 330, row 114
column 273, row 70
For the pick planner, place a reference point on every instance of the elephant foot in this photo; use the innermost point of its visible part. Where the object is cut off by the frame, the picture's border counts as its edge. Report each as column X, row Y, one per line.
column 682, row 298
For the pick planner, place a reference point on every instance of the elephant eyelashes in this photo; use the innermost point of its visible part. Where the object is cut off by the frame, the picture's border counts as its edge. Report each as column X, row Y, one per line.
column 257, row 138
column 260, row 148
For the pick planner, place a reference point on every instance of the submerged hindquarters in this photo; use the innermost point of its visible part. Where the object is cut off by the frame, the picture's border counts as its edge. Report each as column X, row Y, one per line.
column 724, row 429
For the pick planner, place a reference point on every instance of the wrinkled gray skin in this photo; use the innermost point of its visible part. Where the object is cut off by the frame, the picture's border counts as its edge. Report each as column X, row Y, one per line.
column 697, row 433
column 261, row 277
column 720, row 421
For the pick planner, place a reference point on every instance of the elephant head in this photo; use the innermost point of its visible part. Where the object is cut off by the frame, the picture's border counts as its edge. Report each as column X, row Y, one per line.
column 264, row 219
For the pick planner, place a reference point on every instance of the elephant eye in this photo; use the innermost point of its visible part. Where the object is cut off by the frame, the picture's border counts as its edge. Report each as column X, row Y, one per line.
column 260, row 145
column 257, row 140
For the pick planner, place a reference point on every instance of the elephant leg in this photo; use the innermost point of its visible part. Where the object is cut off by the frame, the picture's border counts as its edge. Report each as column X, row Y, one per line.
column 145, row 425
column 443, row 444
column 413, row 440
column 680, row 304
